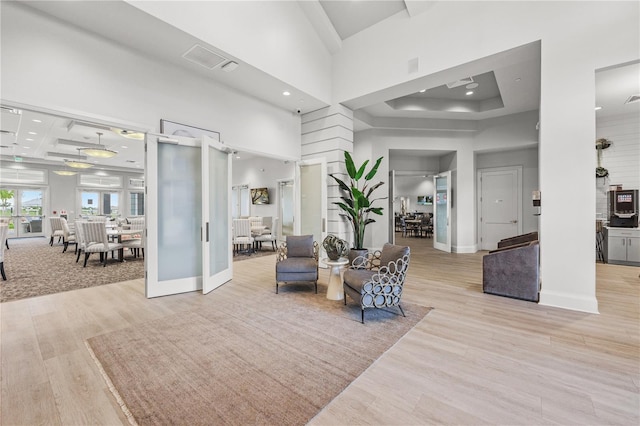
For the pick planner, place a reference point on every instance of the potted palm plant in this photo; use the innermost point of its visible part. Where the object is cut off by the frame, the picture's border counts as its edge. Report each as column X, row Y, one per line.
column 357, row 203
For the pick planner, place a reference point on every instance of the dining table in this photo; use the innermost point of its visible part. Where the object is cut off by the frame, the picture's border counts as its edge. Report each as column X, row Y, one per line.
column 117, row 233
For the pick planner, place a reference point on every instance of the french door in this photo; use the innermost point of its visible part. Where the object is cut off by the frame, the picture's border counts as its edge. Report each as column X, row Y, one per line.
column 188, row 215
column 442, row 212
column 23, row 209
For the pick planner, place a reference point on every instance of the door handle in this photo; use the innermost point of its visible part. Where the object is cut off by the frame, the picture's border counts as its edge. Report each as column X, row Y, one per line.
column 514, row 221
column 207, row 231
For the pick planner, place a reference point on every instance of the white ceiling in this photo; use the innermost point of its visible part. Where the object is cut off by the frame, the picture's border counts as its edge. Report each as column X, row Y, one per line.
column 614, row 85
column 350, row 17
column 516, row 76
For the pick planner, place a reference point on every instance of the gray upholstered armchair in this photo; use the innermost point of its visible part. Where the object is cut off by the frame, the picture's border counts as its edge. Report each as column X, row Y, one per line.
column 297, row 260
column 513, row 269
column 376, row 280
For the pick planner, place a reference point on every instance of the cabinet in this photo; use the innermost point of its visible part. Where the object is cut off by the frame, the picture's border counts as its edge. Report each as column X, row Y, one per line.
column 622, row 246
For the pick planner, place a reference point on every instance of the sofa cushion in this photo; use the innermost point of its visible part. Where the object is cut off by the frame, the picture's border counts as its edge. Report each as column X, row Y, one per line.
column 356, row 278
column 294, row 265
column 300, row 246
column 391, row 253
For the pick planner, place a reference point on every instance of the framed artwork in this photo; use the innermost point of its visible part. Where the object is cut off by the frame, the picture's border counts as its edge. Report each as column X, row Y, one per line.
column 425, row 200
column 260, row 196
column 176, row 129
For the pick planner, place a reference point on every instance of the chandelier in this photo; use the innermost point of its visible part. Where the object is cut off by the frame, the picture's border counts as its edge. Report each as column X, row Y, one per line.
column 99, row 151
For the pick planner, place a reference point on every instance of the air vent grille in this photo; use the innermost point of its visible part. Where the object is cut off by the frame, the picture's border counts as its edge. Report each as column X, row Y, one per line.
column 461, row 82
column 204, row 57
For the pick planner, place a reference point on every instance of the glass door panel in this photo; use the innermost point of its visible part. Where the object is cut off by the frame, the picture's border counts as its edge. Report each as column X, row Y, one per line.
column 286, row 207
column 312, row 177
column 216, row 165
column 22, row 209
column 179, row 212
column 442, row 212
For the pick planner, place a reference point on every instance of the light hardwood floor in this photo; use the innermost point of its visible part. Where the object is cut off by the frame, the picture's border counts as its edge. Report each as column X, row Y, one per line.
column 475, row 359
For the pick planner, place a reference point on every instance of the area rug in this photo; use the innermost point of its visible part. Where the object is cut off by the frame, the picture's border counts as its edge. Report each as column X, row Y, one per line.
column 265, row 359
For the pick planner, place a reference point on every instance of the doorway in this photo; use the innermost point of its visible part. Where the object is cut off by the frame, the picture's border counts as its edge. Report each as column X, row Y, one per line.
column 23, row 209
column 499, row 205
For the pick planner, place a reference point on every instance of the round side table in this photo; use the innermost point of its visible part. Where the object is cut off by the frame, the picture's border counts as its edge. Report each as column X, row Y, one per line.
column 335, row 291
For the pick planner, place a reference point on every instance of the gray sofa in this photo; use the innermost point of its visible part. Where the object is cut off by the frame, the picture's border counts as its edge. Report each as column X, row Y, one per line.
column 513, row 270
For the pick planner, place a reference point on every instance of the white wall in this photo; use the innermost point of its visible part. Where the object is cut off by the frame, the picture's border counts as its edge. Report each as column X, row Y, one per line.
column 259, row 173
column 572, row 48
column 69, row 70
column 622, row 158
column 282, row 42
column 410, row 187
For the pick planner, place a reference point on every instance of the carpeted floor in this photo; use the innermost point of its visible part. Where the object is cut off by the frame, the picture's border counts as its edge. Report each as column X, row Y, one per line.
column 34, row 268
column 267, row 359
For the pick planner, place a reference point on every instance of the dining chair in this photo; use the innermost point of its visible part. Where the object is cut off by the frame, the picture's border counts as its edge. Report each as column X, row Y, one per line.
column 242, row 235
column 80, row 240
column 4, row 231
column 97, row 241
column 68, row 236
column 271, row 236
column 136, row 242
column 56, row 229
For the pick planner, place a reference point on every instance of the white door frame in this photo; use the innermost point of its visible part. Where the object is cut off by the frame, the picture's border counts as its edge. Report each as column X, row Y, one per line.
column 480, row 172
column 437, row 245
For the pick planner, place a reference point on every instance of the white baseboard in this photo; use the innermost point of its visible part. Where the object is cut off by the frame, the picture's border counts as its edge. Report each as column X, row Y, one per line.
column 569, row 301
column 465, row 249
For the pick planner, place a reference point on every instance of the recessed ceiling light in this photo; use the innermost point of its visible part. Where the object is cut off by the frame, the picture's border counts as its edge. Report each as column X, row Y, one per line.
column 469, row 93
column 423, row 90
column 125, row 147
column 598, row 108
column 35, row 120
column 32, row 133
column 518, row 79
column 285, row 93
column 472, row 85
column 29, row 139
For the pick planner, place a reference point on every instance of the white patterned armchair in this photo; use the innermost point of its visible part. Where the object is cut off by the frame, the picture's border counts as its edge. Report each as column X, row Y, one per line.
column 376, row 280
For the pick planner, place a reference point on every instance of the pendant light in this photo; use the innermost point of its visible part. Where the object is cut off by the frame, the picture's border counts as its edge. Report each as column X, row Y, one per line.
column 78, row 164
column 99, row 151
column 65, row 172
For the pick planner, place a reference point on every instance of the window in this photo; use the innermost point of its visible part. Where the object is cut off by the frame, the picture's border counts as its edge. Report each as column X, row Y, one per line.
column 240, row 201
column 136, row 203
column 97, row 181
column 100, row 203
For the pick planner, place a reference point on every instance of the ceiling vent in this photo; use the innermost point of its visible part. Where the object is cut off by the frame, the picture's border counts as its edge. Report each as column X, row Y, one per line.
column 461, row 82
column 632, row 99
column 203, row 57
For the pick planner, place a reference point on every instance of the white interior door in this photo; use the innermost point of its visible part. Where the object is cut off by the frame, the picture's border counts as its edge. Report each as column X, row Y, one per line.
column 311, row 176
column 442, row 212
column 216, row 215
column 178, row 253
column 500, row 201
